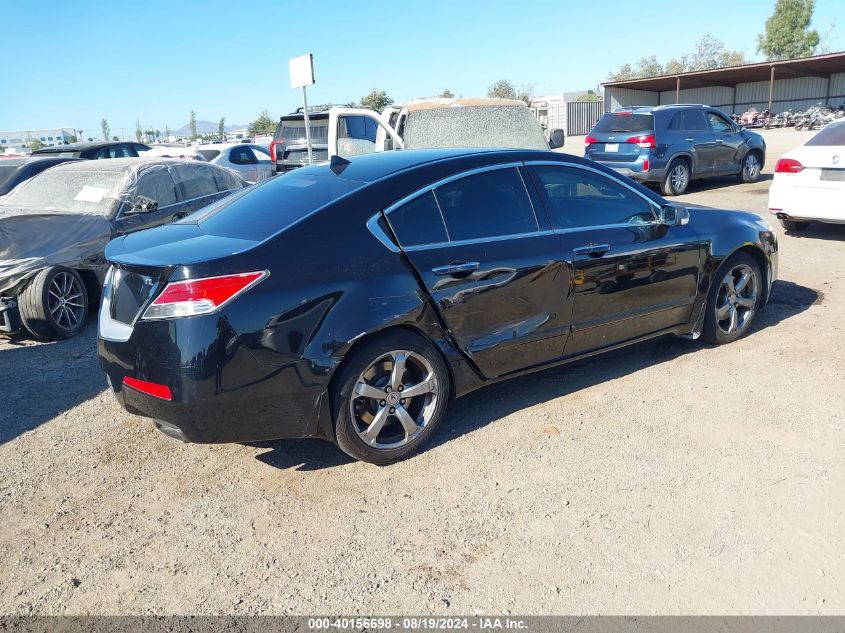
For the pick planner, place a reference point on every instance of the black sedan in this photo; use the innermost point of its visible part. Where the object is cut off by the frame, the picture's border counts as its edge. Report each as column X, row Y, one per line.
column 352, row 301
column 14, row 171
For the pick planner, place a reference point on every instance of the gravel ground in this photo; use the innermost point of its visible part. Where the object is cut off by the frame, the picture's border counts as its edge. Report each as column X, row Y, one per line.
column 669, row 478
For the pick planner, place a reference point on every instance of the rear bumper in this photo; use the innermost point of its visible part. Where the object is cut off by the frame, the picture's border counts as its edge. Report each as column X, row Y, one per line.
column 635, row 170
column 219, row 391
column 807, row 203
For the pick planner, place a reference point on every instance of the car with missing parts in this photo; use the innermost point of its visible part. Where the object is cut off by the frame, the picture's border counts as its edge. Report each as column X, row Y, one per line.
column 352, row 301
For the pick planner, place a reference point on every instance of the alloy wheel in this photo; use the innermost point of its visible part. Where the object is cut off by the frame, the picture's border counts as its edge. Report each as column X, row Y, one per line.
column 679, row 177
column 737, row 299
column 394, row 399
column 751, row 166
column 65, row 301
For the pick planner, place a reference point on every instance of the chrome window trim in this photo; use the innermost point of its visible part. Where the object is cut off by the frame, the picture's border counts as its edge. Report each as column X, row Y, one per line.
column 612, row 177
column 379, row 234
column 480, row 240
column 464, row 174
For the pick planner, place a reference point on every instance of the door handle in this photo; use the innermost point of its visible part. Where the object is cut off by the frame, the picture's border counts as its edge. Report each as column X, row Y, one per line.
column 593, row 250
column 456, row 269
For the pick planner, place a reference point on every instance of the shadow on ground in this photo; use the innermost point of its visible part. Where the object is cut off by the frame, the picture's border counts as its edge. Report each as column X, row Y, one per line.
column 820, row 231
column 491, row 403
column 40, row 381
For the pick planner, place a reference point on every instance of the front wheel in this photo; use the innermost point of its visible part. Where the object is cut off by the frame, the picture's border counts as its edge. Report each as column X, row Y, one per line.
column 677, row 178
column 733, row 300
column 750, row 169
column 54, row 304
column 390, row 398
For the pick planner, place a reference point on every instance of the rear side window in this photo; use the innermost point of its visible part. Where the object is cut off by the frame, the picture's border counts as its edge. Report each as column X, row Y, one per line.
column 418, row 221
column 272, row 206
column 490, row 204
column 198, row 180
column 242, row 156
column 690, row 120
column 624, row 122
column 831, row 135
column 581, row 198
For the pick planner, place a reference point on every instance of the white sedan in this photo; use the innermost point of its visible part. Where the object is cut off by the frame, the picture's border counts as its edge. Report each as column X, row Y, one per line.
column 809, row 182
column 252, row 162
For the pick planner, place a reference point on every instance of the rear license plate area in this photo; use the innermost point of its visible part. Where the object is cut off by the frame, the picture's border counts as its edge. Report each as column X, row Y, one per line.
column 835, row 175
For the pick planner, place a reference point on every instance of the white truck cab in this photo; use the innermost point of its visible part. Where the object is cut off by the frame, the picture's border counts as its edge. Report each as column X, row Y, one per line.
column 424, row 123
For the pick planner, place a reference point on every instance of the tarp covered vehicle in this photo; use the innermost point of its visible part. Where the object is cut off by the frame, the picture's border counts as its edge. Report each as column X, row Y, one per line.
column 54, row 228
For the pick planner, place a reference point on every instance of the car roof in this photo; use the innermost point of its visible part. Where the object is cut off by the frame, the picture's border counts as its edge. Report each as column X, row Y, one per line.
column 122, row 164
column 378, row 165
column 82, row 146
column 433, row 103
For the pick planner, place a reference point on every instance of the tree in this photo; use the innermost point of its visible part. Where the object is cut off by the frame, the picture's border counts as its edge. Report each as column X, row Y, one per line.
column 104, row 125
column 525, row 93
column 377, row 100
column 221, row 127
column 264, row 124
column 166, row 132
column 36, row 144
column 709, row 53
column 589, row 96
column 502, row 89
column 788, row 34
column 138, row 132
column 193, row 124
column 447, row 94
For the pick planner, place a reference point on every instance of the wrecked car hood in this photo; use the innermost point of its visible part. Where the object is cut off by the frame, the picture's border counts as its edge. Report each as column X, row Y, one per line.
column 31, row 240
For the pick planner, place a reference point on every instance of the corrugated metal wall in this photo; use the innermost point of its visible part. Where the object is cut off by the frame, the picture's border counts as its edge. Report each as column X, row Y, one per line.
column 797, row 93
column 581, row 116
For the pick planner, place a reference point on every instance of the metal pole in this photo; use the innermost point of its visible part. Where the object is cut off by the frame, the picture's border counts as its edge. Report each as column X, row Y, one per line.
column 677, row 89
column 307, row 126
column 771, row 87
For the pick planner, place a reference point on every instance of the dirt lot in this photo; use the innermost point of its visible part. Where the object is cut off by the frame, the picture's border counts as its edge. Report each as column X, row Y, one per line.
column 669, row 478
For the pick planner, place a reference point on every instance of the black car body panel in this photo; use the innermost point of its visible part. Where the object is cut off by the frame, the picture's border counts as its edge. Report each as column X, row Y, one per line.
column 26, row 168
column 261, row 367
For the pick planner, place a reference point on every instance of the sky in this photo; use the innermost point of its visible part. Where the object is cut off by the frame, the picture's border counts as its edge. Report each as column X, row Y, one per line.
column 71, row 63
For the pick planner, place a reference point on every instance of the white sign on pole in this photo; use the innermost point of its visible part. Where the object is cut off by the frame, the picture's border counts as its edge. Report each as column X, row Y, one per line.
column 301, row 71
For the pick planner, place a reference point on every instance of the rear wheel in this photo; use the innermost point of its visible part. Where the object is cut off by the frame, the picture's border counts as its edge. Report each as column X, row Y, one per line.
column 792, row 225
column 390, row 397
column 733, row 300
column 677, row 178
column 751, row 168
column 54, row 304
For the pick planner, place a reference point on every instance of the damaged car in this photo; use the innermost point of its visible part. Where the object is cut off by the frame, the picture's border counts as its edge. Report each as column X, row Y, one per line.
column 55, row 226
column 352, row 301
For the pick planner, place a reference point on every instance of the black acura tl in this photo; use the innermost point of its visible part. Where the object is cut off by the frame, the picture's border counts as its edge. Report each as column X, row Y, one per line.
column 351, row 301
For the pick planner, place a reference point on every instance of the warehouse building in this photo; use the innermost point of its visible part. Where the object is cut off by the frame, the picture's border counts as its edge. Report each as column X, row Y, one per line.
column 794, row 84
column 23, row 139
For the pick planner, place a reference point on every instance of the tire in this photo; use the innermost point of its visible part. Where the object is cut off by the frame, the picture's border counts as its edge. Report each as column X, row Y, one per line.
column 54, row 304
column 677, row 178
column 750, row 168
column 372, row 365
column 792, row 225
column 729, row 315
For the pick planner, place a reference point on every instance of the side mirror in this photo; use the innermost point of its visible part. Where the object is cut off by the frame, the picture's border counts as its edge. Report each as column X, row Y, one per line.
column 143, row 204
column 673, row 215
column 557, row 138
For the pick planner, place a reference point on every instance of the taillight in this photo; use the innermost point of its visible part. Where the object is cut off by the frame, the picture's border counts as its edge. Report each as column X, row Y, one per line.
column 150, row 388
column 200, row 296
column 788, row 166
column 590, row 140
column 273, row 144
column 646, row 165
column 644, row 140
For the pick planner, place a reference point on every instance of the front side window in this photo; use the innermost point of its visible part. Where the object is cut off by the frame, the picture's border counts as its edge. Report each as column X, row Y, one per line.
column 418, row 221
column 580, row 198
column 718, row 123
column 488, row 204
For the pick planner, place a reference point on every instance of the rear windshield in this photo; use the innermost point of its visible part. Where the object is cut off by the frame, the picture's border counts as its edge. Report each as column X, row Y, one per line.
column 272, row 206
column 293, row 132
column 6, row 173
column 624, row 122
column 833, row 134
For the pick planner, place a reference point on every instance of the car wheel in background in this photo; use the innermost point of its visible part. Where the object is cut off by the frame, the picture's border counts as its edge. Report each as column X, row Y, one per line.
column 389, row 397
column 54, row 304
column 792, row 225
column 751, row 168
column 677, row 178
column 733, row 300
